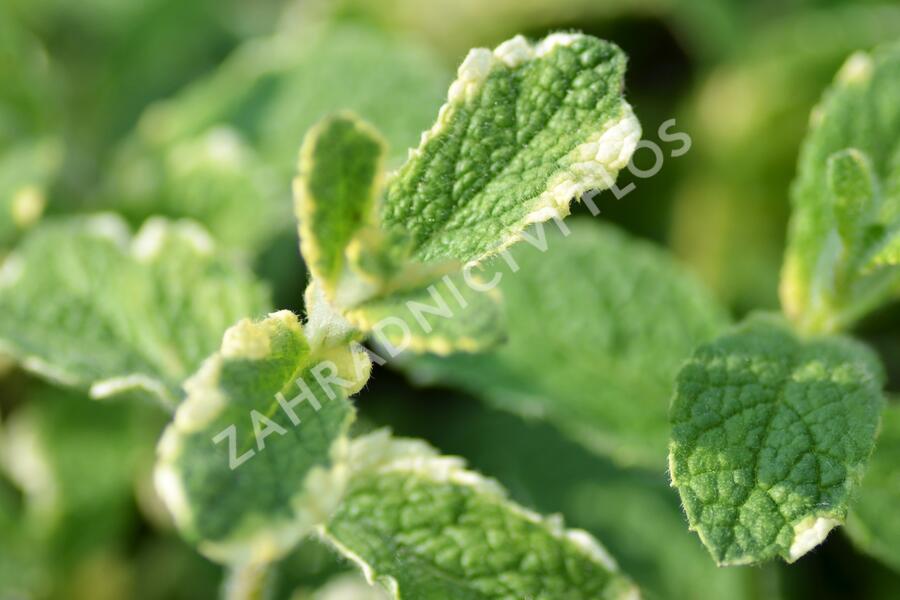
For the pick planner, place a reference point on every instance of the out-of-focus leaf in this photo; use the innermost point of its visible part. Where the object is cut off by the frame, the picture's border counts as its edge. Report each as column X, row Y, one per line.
column 823, row 285
column 84, row 306
column 873, row 523
column 75, row 461
column 262, row 101
column 737, row 180
column 583, row 349
column 347, row 586
column 771, row 435
column 254, row 458
column 423, row 526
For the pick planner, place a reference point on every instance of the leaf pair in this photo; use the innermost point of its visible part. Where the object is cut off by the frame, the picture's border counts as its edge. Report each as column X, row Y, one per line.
column 773, row 424
column 525, row 129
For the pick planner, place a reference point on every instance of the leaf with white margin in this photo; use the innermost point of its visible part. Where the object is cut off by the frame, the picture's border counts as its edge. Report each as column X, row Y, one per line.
column 525, row 129
column 582, row 353
column 340, row 172
column 365, row 275
column 84, row 305
column 456, row 313
column 254, row 457
column 771, row 436
column 423, row 526
column 874, row 523
column 846, row 197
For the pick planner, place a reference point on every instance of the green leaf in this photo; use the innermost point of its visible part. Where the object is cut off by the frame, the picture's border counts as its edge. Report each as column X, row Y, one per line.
column 630, row 510
column 441, row 316
column 215, row 177
column 582, row 351
column 873, row 523
column 365, row 275
column 273, row 89
column 346, row 586
column 425, row 527
column 845, row 197
column 341, row 166
column 223, row 150
column 771, row 434
column 852, row 184
column 76, row 462
column 253, row 459
column 526, row 128
column 83, row 305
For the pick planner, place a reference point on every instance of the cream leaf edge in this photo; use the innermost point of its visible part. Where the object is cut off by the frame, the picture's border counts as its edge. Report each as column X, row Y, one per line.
column 381, row 453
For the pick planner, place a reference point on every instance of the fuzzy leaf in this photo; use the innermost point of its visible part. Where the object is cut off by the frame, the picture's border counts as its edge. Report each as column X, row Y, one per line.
column 366, row 275
column 341, row 166
column 84, row 306
column 771, row 434
column 873, row 523
column 247, row 467
column 425, row 527
column 845, row 195
column 526, row 128
column 581, row 351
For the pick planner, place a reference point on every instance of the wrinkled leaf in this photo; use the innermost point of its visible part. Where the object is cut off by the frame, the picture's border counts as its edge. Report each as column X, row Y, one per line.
column 253, row 459
column 84, row 306
column 771, row 435
column 424, row 527
column 526, row 128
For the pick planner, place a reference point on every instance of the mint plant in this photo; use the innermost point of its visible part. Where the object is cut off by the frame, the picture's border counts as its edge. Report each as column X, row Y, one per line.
column 237, row 425
column 258, row 455
column 774, row 422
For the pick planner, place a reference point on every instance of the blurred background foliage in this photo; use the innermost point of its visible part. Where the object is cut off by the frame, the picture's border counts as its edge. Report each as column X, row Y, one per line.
column 197, row 109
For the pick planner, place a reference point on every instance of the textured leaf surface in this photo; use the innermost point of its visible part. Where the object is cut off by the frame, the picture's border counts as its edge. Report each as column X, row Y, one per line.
column 340, row 171
column 84, row 306
column 770, row 437
column 630, row 510
column 846, row 196
column 424, row 527
column 581, row 350
column 874, row 523
column 365, row 274
column 526, row 128
column 246, row 468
